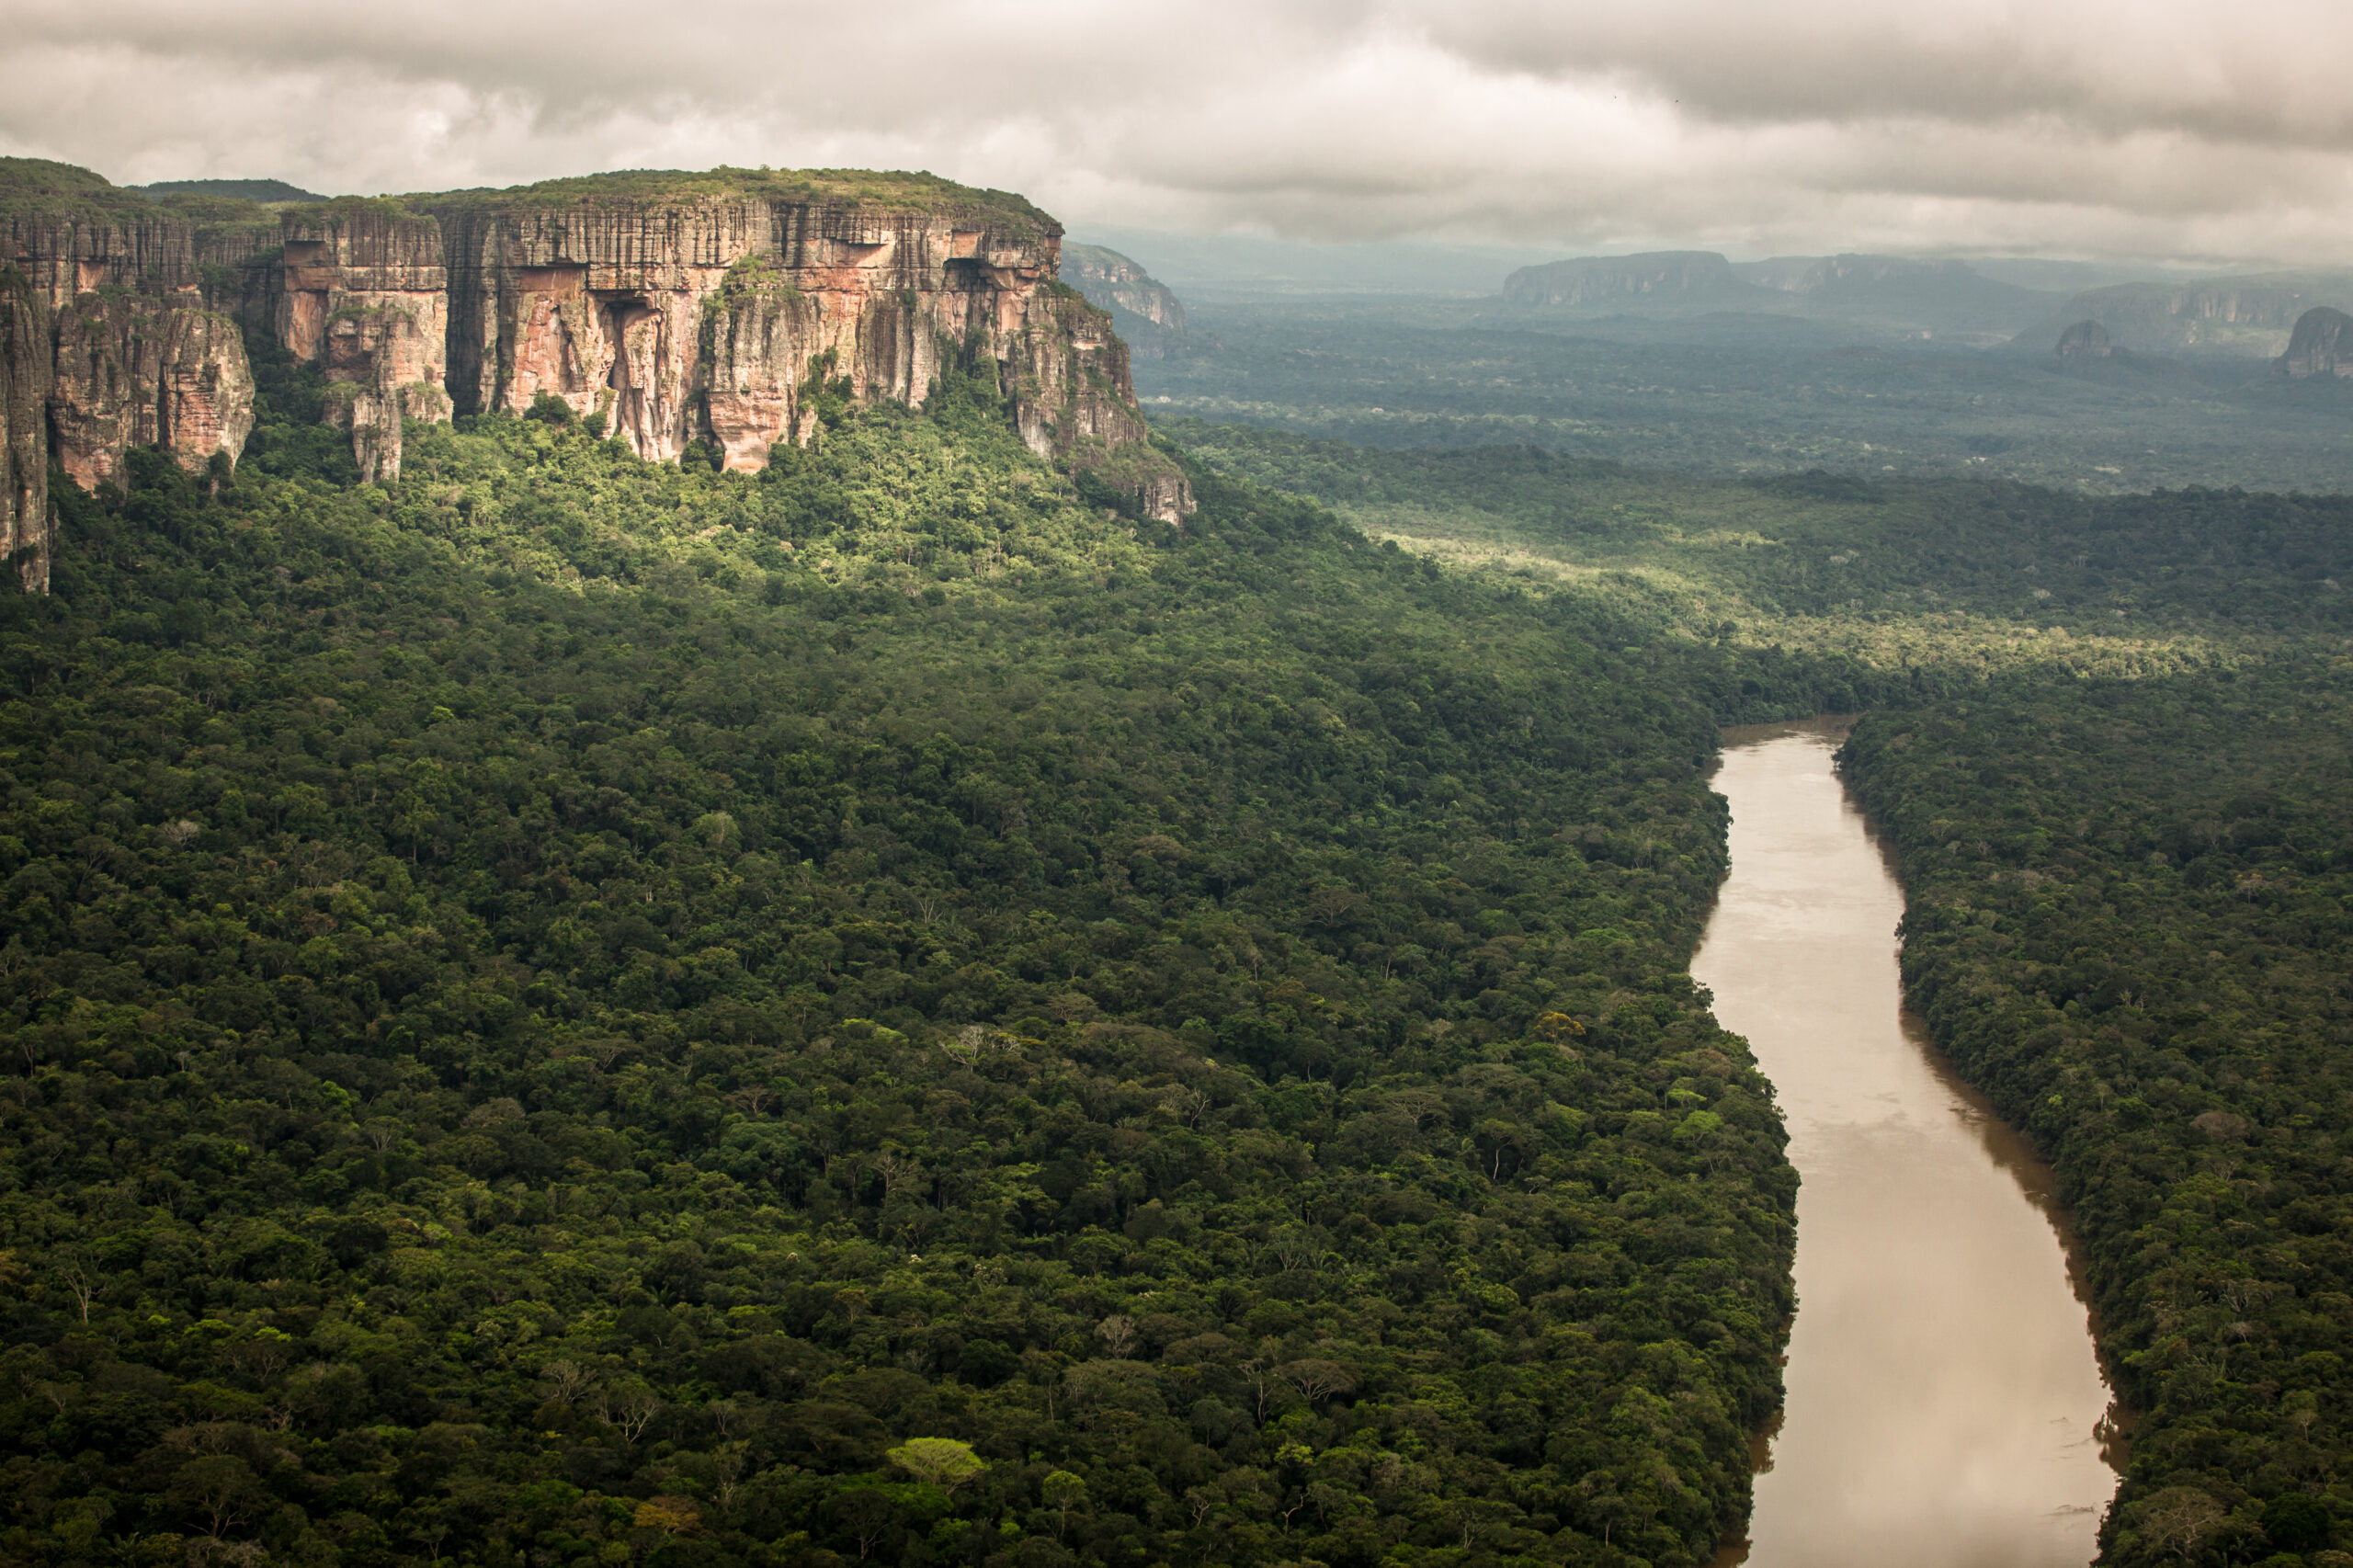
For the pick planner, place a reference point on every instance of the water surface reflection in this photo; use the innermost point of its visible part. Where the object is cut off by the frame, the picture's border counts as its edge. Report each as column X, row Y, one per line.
column 1945, row 1407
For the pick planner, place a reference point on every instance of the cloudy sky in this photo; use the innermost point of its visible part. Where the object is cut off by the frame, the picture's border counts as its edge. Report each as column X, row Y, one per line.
column 2155, row 129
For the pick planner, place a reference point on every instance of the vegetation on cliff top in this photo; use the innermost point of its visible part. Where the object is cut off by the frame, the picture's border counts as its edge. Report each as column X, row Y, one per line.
column 888, row 192
column 30, row 187
column 266, row 191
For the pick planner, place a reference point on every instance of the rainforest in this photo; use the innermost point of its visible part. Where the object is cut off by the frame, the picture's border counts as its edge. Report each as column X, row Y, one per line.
column 924, row 970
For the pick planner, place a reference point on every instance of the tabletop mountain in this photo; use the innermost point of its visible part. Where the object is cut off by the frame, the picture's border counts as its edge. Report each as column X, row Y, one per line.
column 721, row 311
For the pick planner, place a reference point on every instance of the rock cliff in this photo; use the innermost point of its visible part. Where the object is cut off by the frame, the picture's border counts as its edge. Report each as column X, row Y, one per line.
column 25, row 372
column 106, row 337
column 2321, row 344
column 361, row 292
column 2084, row 340
column 131, row 371
column 677, row 308
column 1144, row 311
column 712, row 307
column 2254, row 315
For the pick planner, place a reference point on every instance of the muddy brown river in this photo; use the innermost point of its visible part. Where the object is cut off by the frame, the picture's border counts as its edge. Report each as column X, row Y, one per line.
column 1945, row 1408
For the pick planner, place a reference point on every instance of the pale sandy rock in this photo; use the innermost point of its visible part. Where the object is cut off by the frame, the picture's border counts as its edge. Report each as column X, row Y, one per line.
column 137, row 371
column 26, row 356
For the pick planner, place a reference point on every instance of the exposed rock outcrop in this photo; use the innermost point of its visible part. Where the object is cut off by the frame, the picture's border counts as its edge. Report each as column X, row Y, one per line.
column 105, row 340
column 363, row 293
column 2254, row 315
column 1110, row 280
column 25, row 371
column 717, row 307
column 2321, row 344
column 677, row 308
column 133, row 371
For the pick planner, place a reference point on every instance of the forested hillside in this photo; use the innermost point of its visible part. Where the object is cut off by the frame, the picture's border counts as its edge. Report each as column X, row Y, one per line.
column 2129, row 921
column 569, row 1010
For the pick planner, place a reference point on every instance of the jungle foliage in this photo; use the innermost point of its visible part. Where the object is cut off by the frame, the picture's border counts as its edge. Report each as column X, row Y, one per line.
column 2130, row 907
column 2121, row 790
column 573, row 1011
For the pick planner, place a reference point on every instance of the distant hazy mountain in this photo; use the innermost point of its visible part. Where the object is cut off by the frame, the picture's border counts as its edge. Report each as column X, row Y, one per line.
column 1674, row 278
column 2251, row 316
column 1144, row 311
column 242, row 189
column 2321, row 344
column 1231, row 268
column 1880, row 294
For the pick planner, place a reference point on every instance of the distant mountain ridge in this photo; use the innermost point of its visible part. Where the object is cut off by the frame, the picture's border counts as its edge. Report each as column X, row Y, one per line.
column 2253, row 315
column 1883, row 294
column 1601, row 279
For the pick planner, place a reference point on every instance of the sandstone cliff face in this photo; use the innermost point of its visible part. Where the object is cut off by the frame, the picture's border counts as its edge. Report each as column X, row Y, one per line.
column 2321, row 344
column 363, row 293
column 108, row 342
column 131, row 371
column 25, row 360
column 1144, row 311
column 713, row 317
column 679, row 308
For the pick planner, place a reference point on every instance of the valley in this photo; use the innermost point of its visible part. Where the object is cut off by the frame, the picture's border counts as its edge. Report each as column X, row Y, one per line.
column 685, row 883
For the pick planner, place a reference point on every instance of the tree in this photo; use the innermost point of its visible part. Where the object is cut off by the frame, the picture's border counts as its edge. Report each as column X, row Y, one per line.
column 942, row 1462
column 2178, row 1519
column 671, row 1516
column 1061, row 1490
column 222, row 1488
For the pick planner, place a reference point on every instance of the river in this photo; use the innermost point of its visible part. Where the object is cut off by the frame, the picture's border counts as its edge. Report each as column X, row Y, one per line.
column 1945, row 1407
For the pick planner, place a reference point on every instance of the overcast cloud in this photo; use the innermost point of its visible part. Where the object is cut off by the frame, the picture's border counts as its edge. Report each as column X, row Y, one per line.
column 2160, row 129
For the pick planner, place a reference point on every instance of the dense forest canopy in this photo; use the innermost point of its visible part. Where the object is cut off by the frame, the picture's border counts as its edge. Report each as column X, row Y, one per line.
column 2130, row 908
column 570, row 1009
column 2118, row 789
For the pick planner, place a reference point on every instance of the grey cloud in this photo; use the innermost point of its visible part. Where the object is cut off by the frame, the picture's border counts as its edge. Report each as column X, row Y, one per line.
column 2267, row 73
column 2074, row 127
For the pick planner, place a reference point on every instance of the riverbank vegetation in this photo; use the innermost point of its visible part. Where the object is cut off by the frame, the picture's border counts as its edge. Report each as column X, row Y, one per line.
column 2118, row 784
column 572, row 1011
column 2129, row 909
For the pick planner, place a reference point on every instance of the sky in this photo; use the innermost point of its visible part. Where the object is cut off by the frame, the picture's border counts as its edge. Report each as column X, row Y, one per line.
column 2158, row 130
